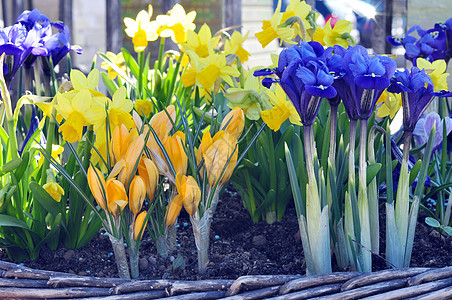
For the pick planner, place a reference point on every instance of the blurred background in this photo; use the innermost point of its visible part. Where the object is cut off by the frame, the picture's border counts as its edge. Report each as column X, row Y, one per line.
column 98, row 26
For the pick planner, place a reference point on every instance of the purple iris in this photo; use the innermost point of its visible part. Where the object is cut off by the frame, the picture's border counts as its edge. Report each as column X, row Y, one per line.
column 58, row 44
column 424, row 126
column 304, row 75
column 430, row 45
column 417, row 93
column 361, row 79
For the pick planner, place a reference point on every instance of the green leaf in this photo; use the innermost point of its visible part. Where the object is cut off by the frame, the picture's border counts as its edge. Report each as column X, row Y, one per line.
column 109, row 84
column 415, row 171
column 372, row 171
column 294, row 183
column 45, row 199
column 131, row 62
column 179, row 262
column 448, row 230
column 9, row 221
column 432, row 222
column 10, row 166
column 23, row 166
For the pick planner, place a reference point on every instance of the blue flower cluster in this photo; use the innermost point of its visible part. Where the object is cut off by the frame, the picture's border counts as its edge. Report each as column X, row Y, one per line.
column 32, row 36
column 432, row 44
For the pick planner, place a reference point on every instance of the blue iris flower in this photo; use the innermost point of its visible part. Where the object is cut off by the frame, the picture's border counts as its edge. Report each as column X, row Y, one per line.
column 360, row 79
column 304, row 76
column 417, row 93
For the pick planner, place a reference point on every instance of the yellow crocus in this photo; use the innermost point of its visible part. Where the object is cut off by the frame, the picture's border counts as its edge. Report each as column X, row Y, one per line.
column 391, row 103
column 216, row 157
column 271, row 30
column 234, row 46
column 189, row 191
column 234, row 122
column 200, row 42
column 337, row 35
column 172, row 210
column 437, row 72
column 97, row 185
column 139, row 225
column 54, row 190
column 137, row 193
column 116, row 197
column 141, row 30
column 134, row 152
column 118, row 60
column 176, row 24
column 150, row 174
column 174, row 147
column 281, row 111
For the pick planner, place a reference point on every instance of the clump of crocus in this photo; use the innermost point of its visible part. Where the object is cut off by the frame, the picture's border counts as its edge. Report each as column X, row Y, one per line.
column 121, row 195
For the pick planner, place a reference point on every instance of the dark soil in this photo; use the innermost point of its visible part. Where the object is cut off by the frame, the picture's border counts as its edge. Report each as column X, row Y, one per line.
column 237, row 247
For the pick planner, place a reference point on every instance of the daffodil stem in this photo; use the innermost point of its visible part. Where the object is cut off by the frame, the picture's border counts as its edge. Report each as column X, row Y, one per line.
column 9, row 120
column 49, row 143
column 173, row 79
column 120, row 256
column 162, row 48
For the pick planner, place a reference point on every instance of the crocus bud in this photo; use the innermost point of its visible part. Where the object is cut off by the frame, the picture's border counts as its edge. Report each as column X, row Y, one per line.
column 189, row 191
column 216, row 157
column 97, row 186
column 116, row 197
column 139, row 223
column 173, row 210
column 137, row 193
column 236, row 122
column 148, row 171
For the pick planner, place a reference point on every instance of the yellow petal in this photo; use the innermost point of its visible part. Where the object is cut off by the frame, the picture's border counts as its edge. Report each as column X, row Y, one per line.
column 137, row 193
column 116, row 196
column 54, row 190
column 235, row 121
column 191, row 194
column 78, row 80
column 96, row 183
column 173, row 210
column 148, row 171
column 139, row 225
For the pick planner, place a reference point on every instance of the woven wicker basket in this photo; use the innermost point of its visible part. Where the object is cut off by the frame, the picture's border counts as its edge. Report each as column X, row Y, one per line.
column 417, row 283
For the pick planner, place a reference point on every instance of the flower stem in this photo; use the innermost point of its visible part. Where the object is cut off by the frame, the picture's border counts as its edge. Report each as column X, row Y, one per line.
column 120, row 256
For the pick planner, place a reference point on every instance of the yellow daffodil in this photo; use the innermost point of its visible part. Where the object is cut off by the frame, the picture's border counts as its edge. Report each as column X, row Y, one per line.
column 116, row 197
column 391, row 103
column 234, row 46
column 215, row 67
column 436, row 70
column 337, row 35
column 271, row 30
column 216, row 157
column 97, row 185
column 281, row 111
column 200, row 42
column 56, row 151
column 300, row 10
column 118, row 60
column 137, row 193
column 141, row 30
column 54, row 190
column 118, row 111
column 233, row 123
column 252, row 98
column 139, row 225
column 150, row 174
column 74, row 111
column 176, row 24
column 188, row 78
column 144, row 107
